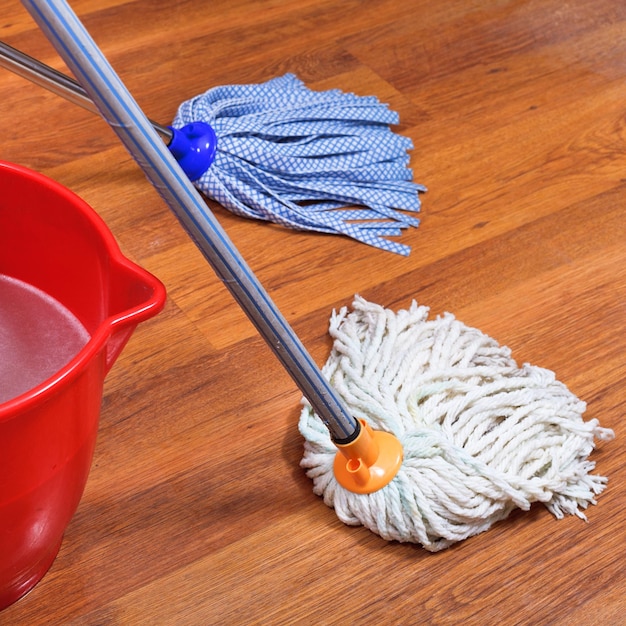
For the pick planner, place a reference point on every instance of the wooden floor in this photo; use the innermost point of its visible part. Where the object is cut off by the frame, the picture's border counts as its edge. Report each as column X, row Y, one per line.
column 196, row 510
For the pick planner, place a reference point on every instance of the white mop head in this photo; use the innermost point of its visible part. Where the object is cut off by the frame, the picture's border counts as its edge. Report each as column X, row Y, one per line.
column 480, row 435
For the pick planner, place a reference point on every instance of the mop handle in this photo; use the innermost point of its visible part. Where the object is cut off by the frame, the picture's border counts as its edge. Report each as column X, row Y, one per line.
column 74, row 44
column 47, row 77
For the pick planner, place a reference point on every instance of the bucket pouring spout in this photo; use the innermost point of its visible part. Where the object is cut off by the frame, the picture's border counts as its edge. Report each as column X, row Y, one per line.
column 135, row 296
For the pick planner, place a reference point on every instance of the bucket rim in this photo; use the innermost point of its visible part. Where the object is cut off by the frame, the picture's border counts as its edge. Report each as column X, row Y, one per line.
column 129, row 318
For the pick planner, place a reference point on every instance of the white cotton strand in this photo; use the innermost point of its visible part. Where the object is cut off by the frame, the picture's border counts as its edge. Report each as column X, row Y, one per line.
column 480, row 435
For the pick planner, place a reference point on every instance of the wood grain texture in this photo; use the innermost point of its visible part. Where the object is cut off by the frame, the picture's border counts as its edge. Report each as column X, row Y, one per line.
column 196, row 510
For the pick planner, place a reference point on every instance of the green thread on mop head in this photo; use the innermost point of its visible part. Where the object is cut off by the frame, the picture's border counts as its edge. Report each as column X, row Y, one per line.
column 481, row 435
column 298, row 157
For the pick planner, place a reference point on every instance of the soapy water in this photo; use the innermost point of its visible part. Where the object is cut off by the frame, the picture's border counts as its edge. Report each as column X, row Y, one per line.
column 38, row 336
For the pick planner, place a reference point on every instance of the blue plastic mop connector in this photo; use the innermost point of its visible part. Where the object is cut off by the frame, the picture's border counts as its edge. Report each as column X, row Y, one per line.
column 194, row 147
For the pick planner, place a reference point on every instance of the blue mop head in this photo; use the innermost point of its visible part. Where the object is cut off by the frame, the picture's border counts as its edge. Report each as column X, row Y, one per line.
column 298, row 157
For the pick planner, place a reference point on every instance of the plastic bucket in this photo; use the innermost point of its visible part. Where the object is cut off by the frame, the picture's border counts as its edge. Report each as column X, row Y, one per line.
column 53, row 241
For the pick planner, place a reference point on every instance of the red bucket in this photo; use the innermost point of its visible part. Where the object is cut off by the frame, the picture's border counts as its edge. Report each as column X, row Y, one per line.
column 54, row 243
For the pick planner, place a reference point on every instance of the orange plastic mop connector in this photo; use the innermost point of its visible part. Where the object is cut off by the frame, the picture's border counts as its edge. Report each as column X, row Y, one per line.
column 369, row 462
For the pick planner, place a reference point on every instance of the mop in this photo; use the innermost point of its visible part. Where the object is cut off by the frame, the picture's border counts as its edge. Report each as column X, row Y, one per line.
column 421, row 430
column 481, row 435
column 281, row 152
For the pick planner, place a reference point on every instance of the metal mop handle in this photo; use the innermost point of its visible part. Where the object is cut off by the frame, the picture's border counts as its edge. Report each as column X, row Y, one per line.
column 83, row 57
column 45, row 76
